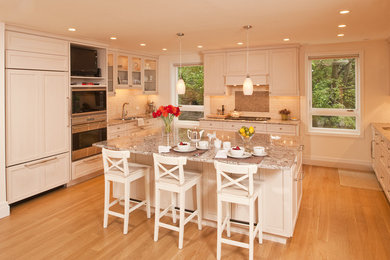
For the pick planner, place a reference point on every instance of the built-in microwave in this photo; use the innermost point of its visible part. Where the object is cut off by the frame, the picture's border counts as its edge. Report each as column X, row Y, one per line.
column 88, row 100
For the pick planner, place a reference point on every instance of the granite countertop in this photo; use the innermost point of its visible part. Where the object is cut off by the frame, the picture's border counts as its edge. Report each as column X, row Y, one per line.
column 281, row 152
column 379, row 127
column 271, row 121
column 112, row 122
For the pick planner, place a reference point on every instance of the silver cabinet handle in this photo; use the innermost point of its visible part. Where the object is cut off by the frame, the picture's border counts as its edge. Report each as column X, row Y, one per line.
column 41, row 162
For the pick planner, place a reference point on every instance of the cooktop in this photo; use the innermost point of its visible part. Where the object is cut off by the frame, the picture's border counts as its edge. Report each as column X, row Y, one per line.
column 248, row 118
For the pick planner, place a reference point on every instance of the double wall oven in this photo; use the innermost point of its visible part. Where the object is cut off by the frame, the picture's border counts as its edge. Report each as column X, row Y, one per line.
column 89, row 120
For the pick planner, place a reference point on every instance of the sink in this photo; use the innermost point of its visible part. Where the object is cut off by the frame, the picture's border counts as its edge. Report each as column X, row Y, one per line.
column 387, row 128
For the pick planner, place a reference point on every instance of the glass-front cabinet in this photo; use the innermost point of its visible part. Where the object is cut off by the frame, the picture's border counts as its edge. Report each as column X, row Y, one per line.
column 110, row 73
column 136, row 72
column 150, row 76
column 123, row 71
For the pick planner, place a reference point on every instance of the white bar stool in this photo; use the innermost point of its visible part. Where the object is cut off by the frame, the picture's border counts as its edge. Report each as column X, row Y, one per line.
column 118, row 169
column 175, row 180
column 239, row 190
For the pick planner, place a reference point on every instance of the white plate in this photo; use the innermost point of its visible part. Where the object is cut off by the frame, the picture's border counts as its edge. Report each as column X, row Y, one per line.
column 191, row 149
column 197, row 147
column 245, row 155
column 263, row 154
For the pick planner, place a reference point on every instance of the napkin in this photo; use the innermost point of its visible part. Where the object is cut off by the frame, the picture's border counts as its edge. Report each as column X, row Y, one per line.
column 163, row 149
column 222, row 154
column 140, row 121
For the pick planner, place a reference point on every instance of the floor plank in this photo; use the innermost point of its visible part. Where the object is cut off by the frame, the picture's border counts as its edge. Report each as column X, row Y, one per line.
column 335, row 222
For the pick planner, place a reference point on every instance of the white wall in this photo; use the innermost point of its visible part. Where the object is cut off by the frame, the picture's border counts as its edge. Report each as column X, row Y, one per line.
column 351, row 152
column 4, row 208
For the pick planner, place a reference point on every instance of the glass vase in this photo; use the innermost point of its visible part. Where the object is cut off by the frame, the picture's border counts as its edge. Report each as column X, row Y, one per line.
column 167, row 134
column 246, row 141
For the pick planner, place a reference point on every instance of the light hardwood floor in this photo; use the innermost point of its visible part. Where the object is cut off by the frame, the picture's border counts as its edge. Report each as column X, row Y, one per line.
column 334, row 222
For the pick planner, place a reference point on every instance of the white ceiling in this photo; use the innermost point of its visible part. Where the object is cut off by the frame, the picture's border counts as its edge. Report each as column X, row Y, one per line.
column 214, row 24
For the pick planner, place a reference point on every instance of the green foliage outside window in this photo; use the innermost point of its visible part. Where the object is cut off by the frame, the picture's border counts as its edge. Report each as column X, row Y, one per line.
column 333, row 87
column 193, row 78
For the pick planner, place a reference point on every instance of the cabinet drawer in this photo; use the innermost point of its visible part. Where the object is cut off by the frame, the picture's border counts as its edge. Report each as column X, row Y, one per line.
column 35, row 61
column 33, row 43
column 285, row 129
column 117, row 128
column 233, row 126
column 87, row 166
column 260, row 128
column 118, row 134
column 31, row 178
column 211, row 125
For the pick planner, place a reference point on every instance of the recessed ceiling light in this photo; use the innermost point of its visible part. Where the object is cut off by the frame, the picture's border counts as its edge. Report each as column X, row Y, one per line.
column 344, row 12
column 113, row 38
column 200, row 46
column 286, row 39
column 342, row 25
column 164, row 49
column 142, row 44
column 72, row 29
column 340, row 34
column 240, row 43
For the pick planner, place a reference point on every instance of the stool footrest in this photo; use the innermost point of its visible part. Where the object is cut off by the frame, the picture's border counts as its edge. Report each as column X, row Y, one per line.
column 234, row 243
column 139, row 204
column 193, row 214
column 116, row 214
column 169, row 227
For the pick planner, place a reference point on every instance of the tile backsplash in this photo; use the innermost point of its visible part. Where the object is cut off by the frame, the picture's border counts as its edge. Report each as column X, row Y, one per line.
column 133, row 97
column 275, row 105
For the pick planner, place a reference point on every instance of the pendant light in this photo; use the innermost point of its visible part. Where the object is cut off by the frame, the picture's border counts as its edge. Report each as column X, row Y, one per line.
column 248, row 84
column 180, row 85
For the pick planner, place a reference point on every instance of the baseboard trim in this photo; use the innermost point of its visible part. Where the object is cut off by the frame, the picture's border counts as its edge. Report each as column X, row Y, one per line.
column 4, row 209
column 338, row 163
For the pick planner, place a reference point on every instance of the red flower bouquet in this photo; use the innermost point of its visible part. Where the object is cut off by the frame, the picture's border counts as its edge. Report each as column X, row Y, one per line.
column 167, row 113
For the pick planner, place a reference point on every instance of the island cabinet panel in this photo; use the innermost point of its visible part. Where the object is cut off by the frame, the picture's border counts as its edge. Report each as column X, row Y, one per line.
column 214, row 73
column 284, row 72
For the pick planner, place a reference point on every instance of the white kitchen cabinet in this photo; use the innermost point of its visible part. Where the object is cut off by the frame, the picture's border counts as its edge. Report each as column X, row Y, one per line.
column 87, row 166
column 150, row 76
column 31, row 178
column 111, row 72
column 122, row 68
column 37, row 115
column 257, row 63
column 211, row 125
column 214, row 73
column 284, row 72
column 35, row 61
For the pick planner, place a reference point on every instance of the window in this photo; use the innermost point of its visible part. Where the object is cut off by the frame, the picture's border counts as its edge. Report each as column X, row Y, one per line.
column 334, row 95
column 192, row 102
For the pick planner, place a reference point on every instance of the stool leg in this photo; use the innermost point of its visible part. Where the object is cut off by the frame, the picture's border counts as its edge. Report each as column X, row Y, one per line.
column 173, row 203
column 147, row 191
column 219, row 228
column 199, row 203
column 127, row 206
column 181, row 224
column 260, row 217
column 228, row 212
column 157, row 214
column 106, row 202
column 251, row 220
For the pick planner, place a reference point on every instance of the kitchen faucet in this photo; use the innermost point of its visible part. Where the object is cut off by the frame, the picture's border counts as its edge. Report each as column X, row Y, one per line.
column 124, row 113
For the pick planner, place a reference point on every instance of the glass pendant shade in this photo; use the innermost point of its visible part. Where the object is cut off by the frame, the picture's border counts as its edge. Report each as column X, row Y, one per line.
column 248, row 86
column 181, row 87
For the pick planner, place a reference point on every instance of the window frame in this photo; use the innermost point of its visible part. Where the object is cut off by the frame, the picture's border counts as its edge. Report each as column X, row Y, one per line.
column 196, row 108
column 357, row 112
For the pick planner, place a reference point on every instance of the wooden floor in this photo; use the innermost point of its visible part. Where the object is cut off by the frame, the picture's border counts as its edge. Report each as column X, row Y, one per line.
column 334, row 222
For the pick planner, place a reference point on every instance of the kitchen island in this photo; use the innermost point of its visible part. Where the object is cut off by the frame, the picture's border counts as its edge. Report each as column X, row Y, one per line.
column 280, row 171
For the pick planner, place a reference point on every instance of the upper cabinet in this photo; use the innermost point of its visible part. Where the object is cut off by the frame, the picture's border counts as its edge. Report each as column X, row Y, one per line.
column 127, row 71
column 257, row 63
column 276, row 67
column 150, row 76
column 284, row 72
column 214, row 72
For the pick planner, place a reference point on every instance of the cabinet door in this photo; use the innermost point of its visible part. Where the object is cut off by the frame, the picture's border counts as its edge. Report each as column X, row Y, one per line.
column 123, row 71
column 56, row 112
column 24, row 116
column 257, row 63
column 136, row 72
column 284, row 72
column 150, row 76
column 57, row 171
column 236, row 63
column 110, row 72
column 214, row 72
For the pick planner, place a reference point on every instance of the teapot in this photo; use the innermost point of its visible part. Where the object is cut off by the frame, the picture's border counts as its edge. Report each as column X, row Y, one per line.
column 194, row 135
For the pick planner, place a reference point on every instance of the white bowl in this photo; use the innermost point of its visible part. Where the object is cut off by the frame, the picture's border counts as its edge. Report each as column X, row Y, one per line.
column 183, row 147
column 258, row 150
column 203, row 144
column 237, row 152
